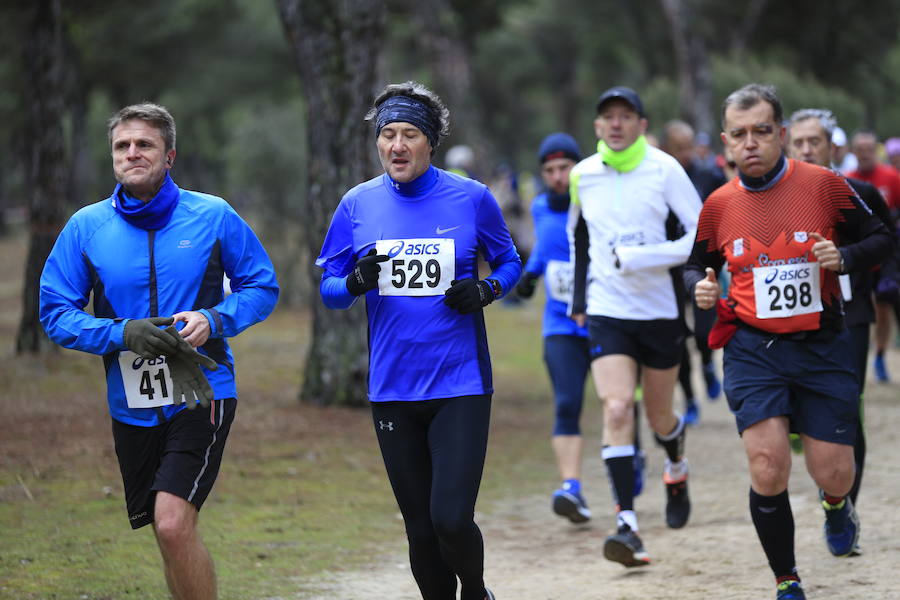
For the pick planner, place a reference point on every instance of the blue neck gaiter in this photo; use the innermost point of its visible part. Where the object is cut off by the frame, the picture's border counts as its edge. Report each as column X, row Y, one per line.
column 558, row 202
column 418, row 187
column 151, row 215
column 759, row 184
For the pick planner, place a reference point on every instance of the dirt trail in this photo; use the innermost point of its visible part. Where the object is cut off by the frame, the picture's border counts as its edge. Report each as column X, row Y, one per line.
column 533, row 555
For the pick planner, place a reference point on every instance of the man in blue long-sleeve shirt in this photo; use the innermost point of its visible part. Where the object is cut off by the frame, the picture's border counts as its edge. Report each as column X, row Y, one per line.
column 153, row 254
column 408, row 241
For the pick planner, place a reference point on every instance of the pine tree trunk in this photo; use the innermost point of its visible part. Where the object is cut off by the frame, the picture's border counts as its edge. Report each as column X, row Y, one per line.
column 48, row 173
column 335, row 46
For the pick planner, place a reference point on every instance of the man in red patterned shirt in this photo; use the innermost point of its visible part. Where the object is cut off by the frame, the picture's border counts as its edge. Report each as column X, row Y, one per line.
column 786, row 230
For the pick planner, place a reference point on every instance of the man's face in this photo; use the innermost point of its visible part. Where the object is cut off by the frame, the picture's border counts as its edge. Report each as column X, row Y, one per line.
column 807, row 141
column 404, row 151
column 680, row 145
column 140, row 160
column 865, row 147
column 555, row 173
column 754, row 138
column 619, row 125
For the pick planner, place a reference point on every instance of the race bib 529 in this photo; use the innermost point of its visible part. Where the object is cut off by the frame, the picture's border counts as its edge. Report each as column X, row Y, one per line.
column 416, row 267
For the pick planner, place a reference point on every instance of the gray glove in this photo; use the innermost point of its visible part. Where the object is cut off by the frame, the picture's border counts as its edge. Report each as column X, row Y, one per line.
column 188, row 380
column 144, row 337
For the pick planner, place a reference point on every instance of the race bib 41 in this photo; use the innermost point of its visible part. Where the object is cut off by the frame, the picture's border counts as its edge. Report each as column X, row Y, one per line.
column 147, row 382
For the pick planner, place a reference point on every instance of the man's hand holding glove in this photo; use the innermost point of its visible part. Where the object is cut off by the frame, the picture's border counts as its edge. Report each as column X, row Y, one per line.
column 364, row 276
column 187, row 377
column 145, row 338
column 468, row 295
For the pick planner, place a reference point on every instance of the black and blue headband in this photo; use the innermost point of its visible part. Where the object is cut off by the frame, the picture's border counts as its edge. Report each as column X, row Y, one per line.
column 403, row 109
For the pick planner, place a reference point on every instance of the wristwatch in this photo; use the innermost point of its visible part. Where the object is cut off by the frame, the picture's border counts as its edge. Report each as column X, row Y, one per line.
column 496, row 288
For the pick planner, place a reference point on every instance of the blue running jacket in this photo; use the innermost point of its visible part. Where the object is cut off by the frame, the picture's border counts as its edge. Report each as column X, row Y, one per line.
column 134, row 273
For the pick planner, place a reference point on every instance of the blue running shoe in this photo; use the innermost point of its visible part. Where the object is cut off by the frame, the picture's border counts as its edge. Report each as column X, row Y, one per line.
column 571, row 506
column 638, row 473
column 789, row 590
column 713, row 385
column 881, row 373
column 692, row 414
column 841, row 526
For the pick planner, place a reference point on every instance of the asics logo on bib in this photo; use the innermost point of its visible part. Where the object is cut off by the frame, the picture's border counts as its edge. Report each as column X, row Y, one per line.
column 396, row 249
column 414, row 249
column 786, row 275
column 139, row 362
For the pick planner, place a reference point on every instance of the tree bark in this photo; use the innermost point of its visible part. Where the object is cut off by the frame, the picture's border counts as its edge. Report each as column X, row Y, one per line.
column 335, row 46
column 692, row 60
column 48, row 172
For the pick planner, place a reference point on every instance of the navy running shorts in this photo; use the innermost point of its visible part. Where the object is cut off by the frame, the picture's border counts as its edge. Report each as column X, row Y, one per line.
column 657, row 344
column 181, row 457
column 813, row 383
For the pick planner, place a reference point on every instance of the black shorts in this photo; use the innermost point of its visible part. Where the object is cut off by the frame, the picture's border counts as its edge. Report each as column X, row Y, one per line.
column 181, row 457
column 657, row 344
column 813, row 383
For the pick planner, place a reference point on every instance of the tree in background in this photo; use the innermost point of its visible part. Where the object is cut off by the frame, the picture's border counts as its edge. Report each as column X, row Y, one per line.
column 336, row 47
column 48, row 173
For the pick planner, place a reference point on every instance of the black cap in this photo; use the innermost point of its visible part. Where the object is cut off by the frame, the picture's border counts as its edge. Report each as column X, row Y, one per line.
column 622, row 93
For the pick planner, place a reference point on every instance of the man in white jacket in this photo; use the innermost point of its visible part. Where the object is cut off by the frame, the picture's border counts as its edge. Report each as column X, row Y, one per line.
column 626, row 200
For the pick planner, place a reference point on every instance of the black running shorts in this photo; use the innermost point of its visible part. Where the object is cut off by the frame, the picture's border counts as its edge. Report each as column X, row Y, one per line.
column 657, row 344
column 181, row 457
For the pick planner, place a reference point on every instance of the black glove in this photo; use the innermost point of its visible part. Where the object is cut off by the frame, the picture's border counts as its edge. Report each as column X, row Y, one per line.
column 526, row 285
column 468, row 296
column 188, row 379
column 365, row 276
column 144, row 337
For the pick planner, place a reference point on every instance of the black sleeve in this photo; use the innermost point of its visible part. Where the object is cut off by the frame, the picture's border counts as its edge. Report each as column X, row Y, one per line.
column 695, row 268
column 871, row 242
column 579, row 290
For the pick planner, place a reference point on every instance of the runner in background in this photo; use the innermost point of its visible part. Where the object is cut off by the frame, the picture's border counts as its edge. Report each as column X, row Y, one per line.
column 620, row 200
column 679, row 141
column 887, row 180
column 809, row 133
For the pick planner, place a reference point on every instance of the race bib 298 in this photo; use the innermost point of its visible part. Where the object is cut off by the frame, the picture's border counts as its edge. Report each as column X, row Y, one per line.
column 787, row 290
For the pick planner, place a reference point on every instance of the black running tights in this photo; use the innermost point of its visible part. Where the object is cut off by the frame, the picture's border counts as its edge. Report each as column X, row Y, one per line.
column 434, row 453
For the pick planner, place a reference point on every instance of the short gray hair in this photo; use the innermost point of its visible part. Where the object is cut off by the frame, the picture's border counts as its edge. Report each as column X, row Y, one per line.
column 674, row 127
column 751, row 95
column 417, row 91
column 825, row 117
column 154, row 114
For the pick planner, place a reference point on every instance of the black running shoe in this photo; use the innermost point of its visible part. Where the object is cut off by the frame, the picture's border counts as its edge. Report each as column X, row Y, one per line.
column 678, row 503
column 626, row 547
column 489, row 595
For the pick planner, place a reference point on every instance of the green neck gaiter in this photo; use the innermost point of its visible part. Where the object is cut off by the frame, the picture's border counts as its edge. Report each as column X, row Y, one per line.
column 625, row 160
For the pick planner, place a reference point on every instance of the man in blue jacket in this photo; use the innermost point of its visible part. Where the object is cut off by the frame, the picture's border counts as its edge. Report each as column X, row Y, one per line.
column 152, row 255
